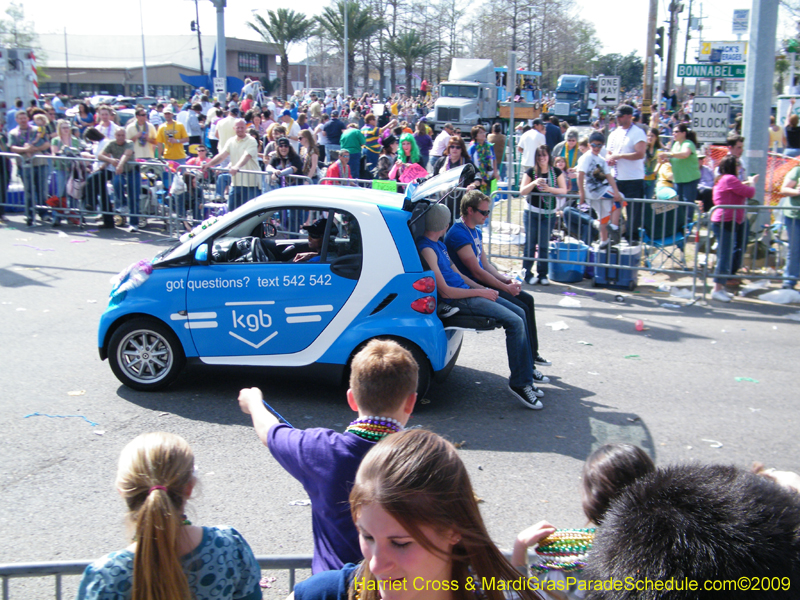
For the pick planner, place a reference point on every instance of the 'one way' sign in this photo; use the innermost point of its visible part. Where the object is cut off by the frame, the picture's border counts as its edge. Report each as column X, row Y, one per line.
column 607, row 91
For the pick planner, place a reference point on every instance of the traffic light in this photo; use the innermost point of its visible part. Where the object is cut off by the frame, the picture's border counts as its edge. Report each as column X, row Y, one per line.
column 659, row 49
column 194, row 26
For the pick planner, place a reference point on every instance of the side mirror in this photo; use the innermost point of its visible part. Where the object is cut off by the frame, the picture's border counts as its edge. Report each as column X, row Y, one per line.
column 201, row 254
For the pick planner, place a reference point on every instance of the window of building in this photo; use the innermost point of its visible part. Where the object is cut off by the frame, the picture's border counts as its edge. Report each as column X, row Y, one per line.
column 253, row 63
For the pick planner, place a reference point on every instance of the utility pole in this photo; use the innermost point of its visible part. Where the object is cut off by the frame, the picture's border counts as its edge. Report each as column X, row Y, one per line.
column 222, row 55
column 688, row 37
column 346, row 54
column 675, row 8
column 199, row 40
column 758, row 88
column 66, row 59
column 649, row 60
column 144, row 56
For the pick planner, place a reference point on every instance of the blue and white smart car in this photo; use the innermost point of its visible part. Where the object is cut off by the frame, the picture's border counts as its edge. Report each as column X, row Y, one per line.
column 229, row 293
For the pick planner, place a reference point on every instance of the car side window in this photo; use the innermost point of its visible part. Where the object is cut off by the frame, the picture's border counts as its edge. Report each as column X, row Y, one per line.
column 345, row 236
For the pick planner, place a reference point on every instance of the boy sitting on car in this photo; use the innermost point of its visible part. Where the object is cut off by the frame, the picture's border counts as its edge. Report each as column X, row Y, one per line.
column 474, row 299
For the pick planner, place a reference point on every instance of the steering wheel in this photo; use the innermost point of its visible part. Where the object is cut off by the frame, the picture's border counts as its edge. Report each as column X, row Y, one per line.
column 257, row 253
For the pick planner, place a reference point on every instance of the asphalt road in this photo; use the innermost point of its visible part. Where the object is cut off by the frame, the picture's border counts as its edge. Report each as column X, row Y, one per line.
column 672, row 389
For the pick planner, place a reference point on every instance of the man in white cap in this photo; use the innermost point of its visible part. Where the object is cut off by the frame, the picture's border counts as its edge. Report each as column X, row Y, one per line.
column 171, row 137
column 292, row 129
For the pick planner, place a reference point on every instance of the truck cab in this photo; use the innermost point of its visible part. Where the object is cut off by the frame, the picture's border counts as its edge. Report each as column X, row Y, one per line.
column 468, row 98
column 572, row 99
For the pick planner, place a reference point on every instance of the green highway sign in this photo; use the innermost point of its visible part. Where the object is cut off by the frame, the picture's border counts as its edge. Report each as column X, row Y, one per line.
column 707, row 71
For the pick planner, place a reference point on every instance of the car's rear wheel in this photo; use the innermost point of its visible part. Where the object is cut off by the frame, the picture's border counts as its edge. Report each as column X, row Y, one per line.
column 424, row 373
column 145, row 354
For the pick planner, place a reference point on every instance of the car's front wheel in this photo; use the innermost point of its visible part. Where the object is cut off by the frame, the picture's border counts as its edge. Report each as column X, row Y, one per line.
column 145, row 354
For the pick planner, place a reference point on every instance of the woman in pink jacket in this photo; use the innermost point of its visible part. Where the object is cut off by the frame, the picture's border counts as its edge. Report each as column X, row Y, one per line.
column 729, row 224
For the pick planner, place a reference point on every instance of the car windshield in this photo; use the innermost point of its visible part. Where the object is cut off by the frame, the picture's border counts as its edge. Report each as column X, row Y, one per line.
column 459, row 91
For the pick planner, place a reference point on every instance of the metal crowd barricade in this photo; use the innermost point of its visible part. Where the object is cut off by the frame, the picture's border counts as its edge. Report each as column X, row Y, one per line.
column 747, row 253
column 290, row 563
column 659, row 227
column 51, row 191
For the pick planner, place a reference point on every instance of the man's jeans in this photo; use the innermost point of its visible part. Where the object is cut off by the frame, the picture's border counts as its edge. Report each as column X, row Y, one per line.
column 512, row 318
column 132, row 183
column 633, row 188
column 241, row 194
column 538, row 230
column 792, row 271
column 731, row 241
column 34, row 180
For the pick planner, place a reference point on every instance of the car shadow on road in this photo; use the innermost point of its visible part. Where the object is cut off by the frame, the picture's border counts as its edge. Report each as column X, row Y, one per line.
column 476, row 416
column 210, row 394
column 476, row 408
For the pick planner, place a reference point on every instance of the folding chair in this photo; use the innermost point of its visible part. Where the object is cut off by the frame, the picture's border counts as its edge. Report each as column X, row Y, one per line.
column 664, row 232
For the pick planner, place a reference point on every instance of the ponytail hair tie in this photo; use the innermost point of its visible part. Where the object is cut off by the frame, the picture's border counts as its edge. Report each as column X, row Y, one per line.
column 156, row 487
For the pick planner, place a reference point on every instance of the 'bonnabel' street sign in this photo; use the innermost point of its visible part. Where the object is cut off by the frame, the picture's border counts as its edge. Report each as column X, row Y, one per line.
column 712, row 71
column 607, row 91
column 710, row 116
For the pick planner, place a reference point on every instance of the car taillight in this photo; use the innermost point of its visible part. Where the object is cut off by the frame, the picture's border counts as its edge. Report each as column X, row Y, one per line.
column 426, row 285
column 425, row 305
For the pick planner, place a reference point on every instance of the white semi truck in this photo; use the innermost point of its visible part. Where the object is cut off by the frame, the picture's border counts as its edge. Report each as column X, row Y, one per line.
column 468, row 97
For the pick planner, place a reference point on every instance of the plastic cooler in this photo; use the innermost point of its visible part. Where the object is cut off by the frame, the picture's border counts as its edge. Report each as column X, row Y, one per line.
column 15, row 199
column 563, row 272
column 623, row 255
column 502, row 191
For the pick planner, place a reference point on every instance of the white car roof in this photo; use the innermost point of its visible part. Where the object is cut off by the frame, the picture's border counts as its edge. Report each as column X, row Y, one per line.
column 340, row 195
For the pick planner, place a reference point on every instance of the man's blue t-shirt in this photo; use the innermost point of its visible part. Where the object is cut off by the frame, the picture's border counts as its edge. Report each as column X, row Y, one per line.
column 325, row 462
column 552, row 135
column 458, row 236
column 333, row 129
column 452, row 278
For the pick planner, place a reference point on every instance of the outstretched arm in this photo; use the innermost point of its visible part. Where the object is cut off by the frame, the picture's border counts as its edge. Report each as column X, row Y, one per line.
column 251, row 401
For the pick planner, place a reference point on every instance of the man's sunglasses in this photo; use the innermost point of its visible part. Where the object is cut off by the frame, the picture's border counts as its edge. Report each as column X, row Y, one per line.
column 485, row 213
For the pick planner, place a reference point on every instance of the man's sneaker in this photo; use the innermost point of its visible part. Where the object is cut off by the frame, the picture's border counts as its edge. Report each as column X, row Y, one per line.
column 541, row 360
column 533, row 280
column 539, row 377
column 721, row 296
column 445, row 310
column 614, row 235
column 544, row 280
column 528, row 396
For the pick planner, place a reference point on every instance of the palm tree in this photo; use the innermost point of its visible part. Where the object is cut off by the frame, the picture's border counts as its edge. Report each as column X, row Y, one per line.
column 283, row 27
column 409, row 48
column 360, row 26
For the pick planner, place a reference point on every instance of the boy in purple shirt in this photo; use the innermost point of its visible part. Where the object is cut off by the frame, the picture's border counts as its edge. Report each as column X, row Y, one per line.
column 383, row 391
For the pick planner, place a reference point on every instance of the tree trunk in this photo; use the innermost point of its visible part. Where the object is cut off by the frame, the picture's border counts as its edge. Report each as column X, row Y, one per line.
column 285, row 75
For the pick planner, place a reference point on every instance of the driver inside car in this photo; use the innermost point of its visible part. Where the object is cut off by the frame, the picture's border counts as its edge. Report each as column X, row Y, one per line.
column 302, row 251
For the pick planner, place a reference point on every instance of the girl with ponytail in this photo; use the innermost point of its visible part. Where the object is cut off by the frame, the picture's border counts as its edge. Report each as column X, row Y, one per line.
column 169, row 559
